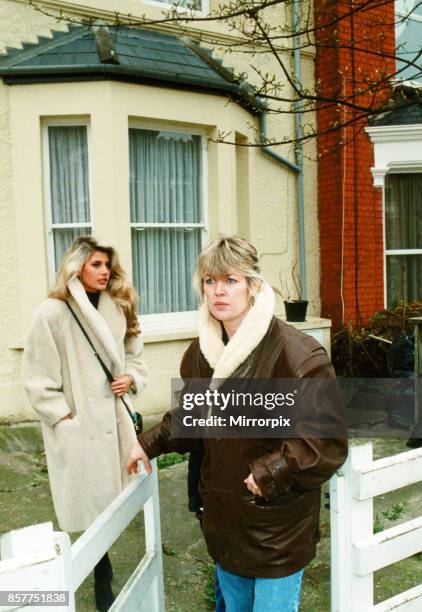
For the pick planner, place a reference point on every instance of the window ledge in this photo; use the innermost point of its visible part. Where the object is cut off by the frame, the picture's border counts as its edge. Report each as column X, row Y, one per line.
column 310, row 323
column 155, row 328
column 184, row 326
column 169, row 326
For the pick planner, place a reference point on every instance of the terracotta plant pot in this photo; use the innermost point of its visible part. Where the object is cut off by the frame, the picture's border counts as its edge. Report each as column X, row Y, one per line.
column 296, row 310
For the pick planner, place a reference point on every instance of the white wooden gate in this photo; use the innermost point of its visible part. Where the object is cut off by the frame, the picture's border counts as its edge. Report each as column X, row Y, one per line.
column 38, row 559
column 356, row 552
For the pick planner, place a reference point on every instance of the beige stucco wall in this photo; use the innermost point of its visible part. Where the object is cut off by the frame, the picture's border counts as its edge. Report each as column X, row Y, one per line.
column 246, row 191
column 18, row 23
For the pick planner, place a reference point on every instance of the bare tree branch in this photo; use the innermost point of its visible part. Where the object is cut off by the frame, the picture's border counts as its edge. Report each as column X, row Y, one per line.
column 355, row 95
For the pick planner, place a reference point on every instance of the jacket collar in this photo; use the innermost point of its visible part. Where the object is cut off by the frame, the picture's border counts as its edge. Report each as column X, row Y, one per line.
column 97, row 319
column 225, row 359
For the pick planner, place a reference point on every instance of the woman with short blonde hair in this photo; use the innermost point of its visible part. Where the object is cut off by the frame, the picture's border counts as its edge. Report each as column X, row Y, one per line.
column 87, row 430
column 260, row 495
column 229, row 253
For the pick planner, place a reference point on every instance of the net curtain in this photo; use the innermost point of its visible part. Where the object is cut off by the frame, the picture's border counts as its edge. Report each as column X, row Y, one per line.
column 69, row 184
column 403, row 207
column 165, row 187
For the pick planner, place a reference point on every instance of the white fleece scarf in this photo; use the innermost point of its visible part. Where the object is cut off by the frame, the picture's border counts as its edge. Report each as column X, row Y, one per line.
column 224, row 359
column 96, row 319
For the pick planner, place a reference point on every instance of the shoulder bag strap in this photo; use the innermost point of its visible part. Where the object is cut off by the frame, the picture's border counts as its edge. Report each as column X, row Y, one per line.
column 106, row 371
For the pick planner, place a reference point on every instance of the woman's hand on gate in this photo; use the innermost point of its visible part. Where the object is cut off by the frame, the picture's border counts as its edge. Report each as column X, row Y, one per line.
column 121, row 385
column 138, row 454
column 250, row 482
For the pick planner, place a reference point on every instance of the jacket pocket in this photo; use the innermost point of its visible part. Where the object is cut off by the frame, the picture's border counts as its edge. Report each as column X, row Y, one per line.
column 67, row 424
column 288, row 503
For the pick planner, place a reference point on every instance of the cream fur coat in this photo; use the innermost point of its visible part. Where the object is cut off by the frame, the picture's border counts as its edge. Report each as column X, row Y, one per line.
column 86, row 455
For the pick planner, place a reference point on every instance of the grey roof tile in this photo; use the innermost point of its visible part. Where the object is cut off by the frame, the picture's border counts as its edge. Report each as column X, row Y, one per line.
column 139, row 54
column 407, row 115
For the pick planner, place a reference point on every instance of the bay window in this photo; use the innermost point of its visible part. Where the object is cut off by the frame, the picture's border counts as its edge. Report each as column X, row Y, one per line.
column 167, row 217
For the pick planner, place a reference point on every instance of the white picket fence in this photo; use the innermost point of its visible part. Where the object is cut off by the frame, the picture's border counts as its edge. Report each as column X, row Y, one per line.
column 38, row 559
column 356, row 552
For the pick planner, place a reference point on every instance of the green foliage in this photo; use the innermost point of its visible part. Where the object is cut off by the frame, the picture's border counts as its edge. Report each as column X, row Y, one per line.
column 171, row 459
column 393, row 514
column 209, row 595
column 378, row 524
column 168, row 550
column 360, row 351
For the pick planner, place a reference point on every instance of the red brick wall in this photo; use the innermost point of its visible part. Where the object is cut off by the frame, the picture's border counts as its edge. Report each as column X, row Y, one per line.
column 350, row 209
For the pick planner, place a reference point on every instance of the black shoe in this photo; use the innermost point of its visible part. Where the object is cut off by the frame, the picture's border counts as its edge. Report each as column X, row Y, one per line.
column 103, row 574
column 103, row 596
column 414, row 442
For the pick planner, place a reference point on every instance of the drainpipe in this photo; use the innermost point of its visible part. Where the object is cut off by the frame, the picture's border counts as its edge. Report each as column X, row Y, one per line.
column 296, row 167
column 299, row 148
column 266, row 149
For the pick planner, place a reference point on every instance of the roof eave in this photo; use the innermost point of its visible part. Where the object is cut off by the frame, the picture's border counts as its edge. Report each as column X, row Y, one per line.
column 31, row 75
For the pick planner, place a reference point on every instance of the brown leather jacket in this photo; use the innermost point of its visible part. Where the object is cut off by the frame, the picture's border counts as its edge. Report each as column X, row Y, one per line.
column 276, row 535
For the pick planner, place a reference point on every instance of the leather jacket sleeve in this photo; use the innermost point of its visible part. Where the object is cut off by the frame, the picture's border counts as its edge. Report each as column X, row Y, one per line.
column 304, row 463
column 160, row 439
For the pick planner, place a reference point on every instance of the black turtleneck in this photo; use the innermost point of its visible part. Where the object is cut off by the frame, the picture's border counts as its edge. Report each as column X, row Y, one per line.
column 94, row 298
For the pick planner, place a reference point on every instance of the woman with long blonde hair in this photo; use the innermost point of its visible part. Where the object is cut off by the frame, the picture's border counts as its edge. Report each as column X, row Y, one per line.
column 87, row 430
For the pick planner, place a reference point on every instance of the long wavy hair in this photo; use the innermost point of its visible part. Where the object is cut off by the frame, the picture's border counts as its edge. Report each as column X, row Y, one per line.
column 118, row 285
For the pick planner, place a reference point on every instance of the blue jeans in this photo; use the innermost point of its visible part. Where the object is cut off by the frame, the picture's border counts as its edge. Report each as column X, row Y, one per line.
column 220, row 606
column 243, row 594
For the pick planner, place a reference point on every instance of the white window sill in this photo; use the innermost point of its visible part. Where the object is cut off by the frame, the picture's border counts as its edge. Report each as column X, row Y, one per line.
column 169, row 326
column 184, row 326
column 155, row 328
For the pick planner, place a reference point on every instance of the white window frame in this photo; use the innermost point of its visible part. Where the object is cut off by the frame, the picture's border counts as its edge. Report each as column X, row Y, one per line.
column 169, row 325
column 396, row 169
column 401, row 13
column 49, row 225
column 204, row 10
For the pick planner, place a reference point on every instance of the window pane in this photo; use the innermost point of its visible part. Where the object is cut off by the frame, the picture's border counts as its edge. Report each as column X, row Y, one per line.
column 193, row 4
column 165, row 187
column 404, row 278
column 403, row 211
column 163, row 264
column 63, row 238
column 409, row 7
column 69, row 190
column 165, row 177
column 408, row 45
